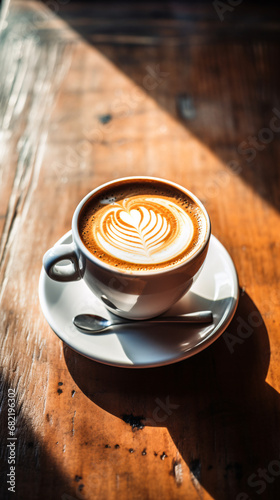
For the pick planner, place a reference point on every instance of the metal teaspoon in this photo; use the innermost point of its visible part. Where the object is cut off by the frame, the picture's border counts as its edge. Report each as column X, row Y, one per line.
column 91, row 323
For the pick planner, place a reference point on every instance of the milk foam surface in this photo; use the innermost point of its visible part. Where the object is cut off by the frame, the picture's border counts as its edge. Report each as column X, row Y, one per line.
column 141, row 227
column 143, row 230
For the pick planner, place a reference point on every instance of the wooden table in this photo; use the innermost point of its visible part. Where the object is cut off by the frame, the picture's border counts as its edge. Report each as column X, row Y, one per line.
column 99, row 91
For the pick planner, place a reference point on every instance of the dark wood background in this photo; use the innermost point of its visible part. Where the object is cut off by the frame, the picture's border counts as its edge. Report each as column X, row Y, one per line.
column 91, row 92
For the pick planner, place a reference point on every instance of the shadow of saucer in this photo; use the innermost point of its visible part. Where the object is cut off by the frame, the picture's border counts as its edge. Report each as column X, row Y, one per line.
column 217, row 407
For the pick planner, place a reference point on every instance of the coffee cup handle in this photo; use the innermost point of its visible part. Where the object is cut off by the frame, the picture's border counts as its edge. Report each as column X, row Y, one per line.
column 67, row 272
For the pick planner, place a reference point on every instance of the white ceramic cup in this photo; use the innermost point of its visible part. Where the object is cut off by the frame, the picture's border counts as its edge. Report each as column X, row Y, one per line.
column 130, row 294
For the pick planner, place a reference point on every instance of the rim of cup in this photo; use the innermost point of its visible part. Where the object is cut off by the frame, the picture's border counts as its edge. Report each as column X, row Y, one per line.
column 163, row 270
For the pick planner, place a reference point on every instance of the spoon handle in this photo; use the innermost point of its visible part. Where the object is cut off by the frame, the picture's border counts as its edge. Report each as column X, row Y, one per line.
column 195, row 317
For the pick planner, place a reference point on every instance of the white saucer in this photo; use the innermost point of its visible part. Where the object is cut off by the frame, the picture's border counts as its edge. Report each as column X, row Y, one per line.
column 141, row 346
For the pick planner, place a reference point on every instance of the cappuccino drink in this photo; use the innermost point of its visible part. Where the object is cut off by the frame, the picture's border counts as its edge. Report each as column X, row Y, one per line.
column 139, row 244
column 142, row 225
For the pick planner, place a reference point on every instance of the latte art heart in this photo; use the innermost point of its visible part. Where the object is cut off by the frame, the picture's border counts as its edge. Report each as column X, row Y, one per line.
column 152, row 232
column 140, row 225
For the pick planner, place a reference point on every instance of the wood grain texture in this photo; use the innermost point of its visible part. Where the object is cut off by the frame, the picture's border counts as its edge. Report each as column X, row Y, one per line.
column 100, row 91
